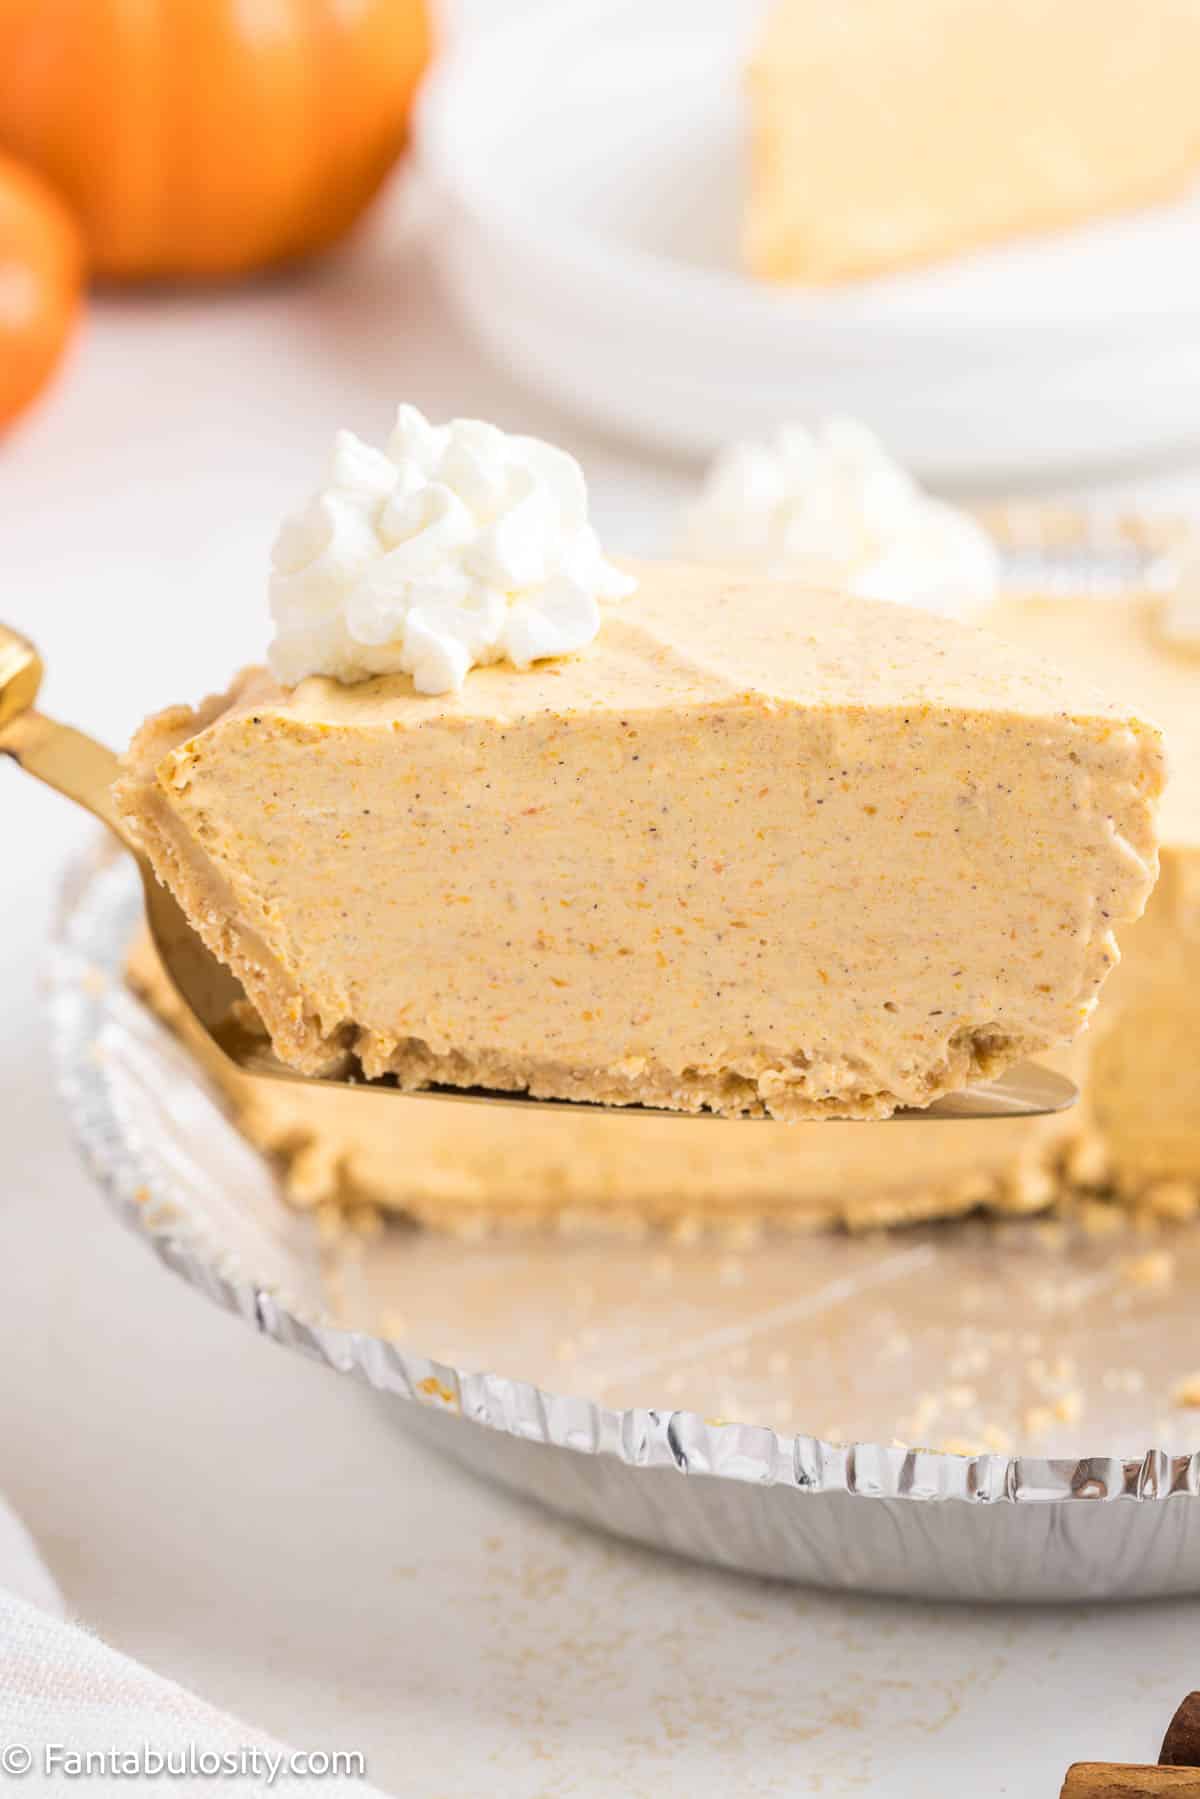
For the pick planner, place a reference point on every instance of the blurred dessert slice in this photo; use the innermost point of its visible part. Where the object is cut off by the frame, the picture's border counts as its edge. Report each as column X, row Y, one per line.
column 898, row 132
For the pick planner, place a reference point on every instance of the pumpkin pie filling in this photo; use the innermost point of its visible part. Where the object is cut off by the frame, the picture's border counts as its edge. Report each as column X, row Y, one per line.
column 759, row 849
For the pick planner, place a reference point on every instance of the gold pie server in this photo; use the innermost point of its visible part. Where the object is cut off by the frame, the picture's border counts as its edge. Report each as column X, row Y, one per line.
column 84, row 771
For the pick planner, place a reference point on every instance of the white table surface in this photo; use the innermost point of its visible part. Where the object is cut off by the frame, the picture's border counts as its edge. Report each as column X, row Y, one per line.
column 245, row 1522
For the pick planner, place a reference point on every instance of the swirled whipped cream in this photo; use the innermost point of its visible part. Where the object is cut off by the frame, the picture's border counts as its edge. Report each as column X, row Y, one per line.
column 832, row 508
column 455, row 545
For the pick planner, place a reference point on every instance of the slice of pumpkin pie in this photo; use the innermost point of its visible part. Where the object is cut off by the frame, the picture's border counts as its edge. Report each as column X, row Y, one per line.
column 904, row 132
column 751, row 847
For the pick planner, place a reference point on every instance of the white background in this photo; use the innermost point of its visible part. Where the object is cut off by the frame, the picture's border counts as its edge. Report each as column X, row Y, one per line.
column 245, row 1522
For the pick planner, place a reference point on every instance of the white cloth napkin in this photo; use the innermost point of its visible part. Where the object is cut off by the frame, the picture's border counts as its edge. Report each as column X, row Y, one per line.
column 64, row 1694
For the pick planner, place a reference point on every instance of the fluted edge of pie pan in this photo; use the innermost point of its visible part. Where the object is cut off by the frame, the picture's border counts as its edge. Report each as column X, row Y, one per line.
column 864, row 1517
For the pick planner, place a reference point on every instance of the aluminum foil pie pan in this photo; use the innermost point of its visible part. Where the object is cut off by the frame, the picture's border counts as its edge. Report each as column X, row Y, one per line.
column 657, row 1389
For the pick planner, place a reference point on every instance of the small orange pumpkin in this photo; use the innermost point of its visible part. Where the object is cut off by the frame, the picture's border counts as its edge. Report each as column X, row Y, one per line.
column 41, row 267
column 209, row 137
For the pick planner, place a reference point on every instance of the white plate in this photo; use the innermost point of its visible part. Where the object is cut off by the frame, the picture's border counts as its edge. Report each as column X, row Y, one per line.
column 588, row 160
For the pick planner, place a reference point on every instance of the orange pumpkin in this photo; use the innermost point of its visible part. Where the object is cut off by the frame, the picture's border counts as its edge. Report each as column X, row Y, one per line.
column 209, row 137
column 41, row 263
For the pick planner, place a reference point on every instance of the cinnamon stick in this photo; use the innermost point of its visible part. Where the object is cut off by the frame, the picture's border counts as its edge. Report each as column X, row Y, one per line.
column 1112, row 1780
column 1181, row 1745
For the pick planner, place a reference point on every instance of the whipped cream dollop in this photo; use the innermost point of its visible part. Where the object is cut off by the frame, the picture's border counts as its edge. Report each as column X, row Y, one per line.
column 454, row 545
column 832, row 507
